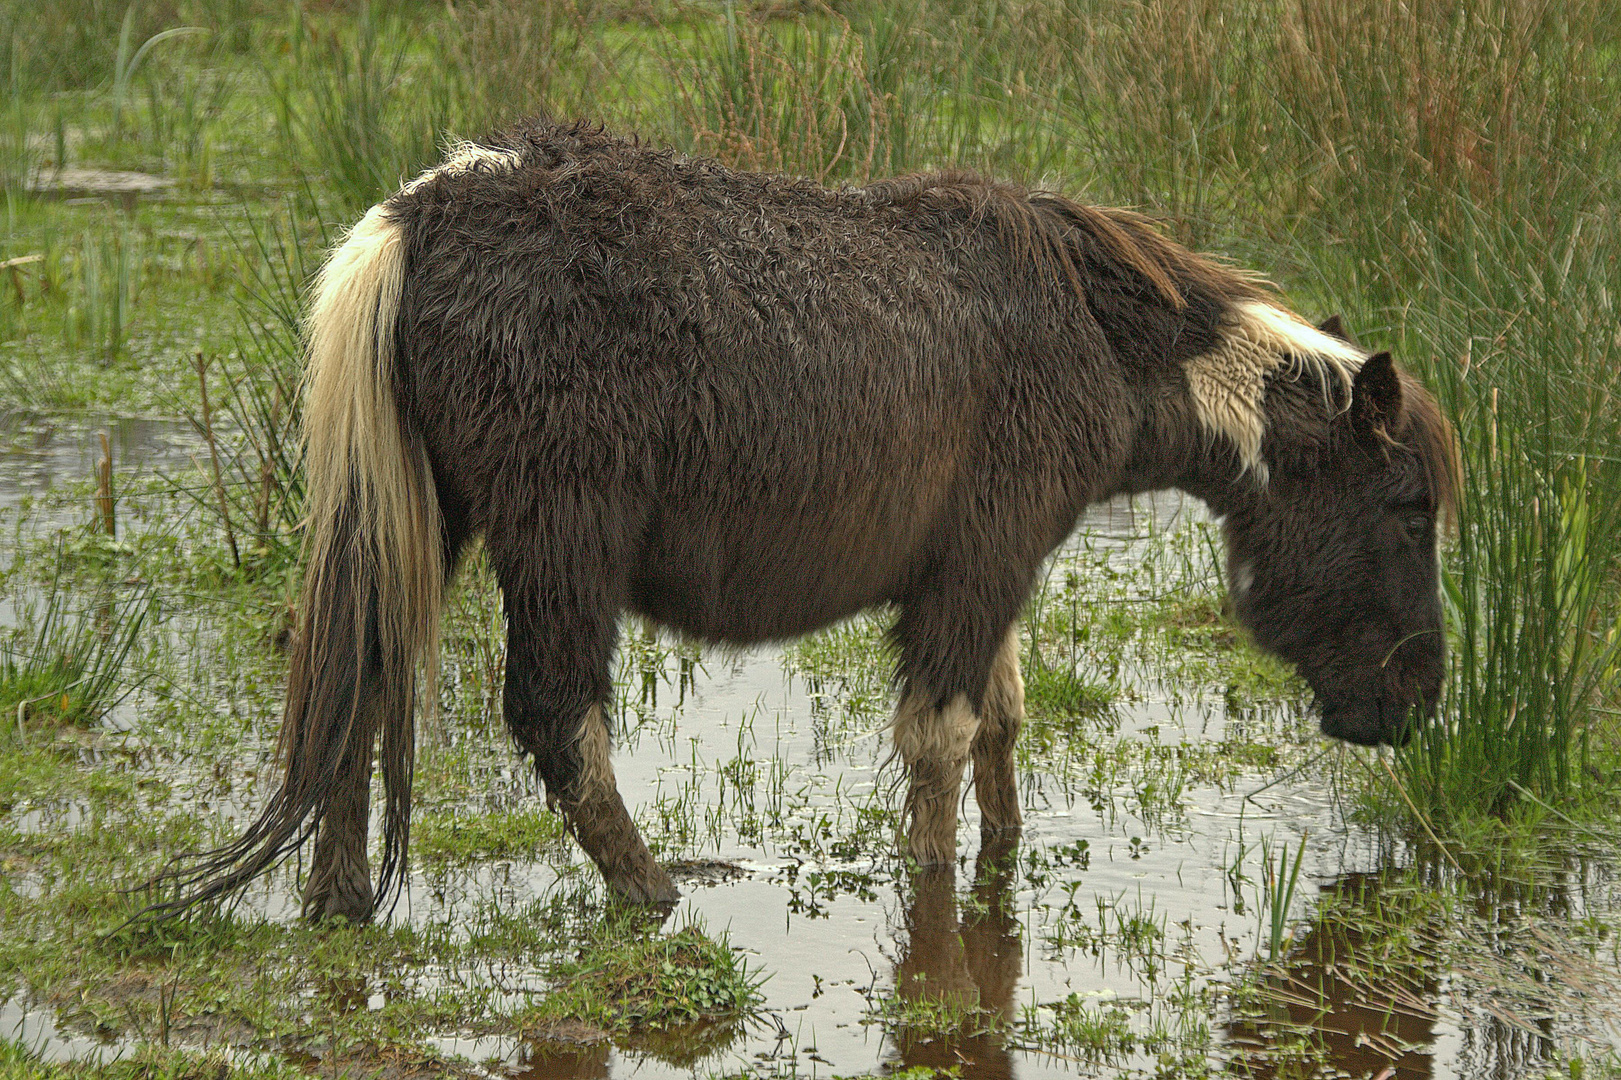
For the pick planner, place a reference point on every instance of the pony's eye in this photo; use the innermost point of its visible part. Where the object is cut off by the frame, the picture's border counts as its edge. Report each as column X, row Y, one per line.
column 1416, row 524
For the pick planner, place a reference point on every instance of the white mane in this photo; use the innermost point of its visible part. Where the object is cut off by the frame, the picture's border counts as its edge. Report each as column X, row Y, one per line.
column 1228, row 383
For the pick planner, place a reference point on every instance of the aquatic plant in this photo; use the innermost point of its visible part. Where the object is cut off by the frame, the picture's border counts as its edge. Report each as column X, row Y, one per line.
column 64, row 665
column 1277, row 893
column 250, row 407
column 104, row 279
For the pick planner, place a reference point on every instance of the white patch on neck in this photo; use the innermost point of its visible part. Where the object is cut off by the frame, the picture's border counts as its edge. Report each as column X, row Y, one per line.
column 1228, row 383
column 464, row 157
column 1243, row 578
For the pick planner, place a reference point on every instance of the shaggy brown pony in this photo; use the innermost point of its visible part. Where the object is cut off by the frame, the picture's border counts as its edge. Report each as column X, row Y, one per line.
column 748, row 406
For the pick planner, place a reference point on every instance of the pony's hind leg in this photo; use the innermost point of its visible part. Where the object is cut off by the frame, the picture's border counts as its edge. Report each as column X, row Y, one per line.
column 339, row 884
column 561, row 629
column 995, row 779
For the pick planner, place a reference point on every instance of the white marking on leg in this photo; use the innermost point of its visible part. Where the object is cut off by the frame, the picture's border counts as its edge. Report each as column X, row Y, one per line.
column 924, row 733
column 596, row 763
column 1004, row 695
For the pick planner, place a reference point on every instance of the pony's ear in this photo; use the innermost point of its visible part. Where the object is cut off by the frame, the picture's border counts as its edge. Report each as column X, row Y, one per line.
column 1333, row 327
column 1376, row 396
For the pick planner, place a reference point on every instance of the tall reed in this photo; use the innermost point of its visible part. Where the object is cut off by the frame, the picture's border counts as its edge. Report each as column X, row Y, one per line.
column 1464, row 162
column 352, row 105
column 105, row 277
column 792, row 96
column 512, row 61
column 259, row 489
column 1528, row 357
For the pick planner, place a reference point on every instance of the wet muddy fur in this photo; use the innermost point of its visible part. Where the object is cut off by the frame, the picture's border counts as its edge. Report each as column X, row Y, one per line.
column 747, row 406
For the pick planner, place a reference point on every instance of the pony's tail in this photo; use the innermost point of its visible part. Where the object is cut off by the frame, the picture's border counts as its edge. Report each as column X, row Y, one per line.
column 372, row 586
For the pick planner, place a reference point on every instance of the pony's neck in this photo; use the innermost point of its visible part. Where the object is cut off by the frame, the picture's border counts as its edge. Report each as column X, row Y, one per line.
column 1172, row 452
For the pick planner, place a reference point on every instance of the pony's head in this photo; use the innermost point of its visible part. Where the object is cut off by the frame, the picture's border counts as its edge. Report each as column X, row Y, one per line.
column 1332, row 556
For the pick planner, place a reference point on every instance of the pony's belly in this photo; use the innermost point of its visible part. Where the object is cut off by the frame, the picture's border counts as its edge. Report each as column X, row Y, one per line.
column 771, row 582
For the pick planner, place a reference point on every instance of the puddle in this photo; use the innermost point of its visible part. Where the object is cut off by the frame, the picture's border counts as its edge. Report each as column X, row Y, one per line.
column 121, row 188
column 1111, row 938
column 36, row 1030
column 1115, row 906
column 40, row 454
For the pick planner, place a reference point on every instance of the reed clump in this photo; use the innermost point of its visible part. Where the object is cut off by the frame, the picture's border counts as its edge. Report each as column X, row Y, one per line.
column 1462, row 161
column 798, row 96
column 62, row 664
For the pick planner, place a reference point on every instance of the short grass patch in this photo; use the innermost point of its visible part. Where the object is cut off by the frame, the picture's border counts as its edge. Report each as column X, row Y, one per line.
column 450, row 837
column 625, row 978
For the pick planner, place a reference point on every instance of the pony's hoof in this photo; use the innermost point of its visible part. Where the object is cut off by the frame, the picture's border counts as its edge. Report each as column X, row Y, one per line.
column 328, row 909
column 337, row 889
column 651, row 886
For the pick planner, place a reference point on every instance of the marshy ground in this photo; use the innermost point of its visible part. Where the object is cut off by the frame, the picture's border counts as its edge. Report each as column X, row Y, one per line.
column 1203, row 885
column 1172, row 779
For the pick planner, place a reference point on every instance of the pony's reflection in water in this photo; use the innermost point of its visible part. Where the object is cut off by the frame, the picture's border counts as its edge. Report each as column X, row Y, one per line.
column 563, row 1061
column 950, row 966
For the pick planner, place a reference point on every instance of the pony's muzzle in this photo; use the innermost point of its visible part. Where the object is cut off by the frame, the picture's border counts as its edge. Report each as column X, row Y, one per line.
column 1388, row 719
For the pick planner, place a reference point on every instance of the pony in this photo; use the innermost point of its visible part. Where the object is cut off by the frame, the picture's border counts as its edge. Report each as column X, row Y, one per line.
column 746, row 406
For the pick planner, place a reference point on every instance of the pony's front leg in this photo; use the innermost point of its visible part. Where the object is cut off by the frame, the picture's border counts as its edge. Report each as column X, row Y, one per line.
column 933, row 740
column 996, row 785
column 561, row 631
column 955, row 651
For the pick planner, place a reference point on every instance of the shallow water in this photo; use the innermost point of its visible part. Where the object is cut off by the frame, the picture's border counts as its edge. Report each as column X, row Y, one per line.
column 40, row 454
column 1109, row 901
column 1130, row 903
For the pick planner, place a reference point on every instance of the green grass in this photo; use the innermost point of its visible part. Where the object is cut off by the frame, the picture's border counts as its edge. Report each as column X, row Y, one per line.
column 456, row 837
column 627, row 977
column 60, row 666
column 1058, row 694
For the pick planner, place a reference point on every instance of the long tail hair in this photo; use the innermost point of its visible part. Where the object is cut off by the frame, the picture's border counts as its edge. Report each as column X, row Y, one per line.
column 372, row 586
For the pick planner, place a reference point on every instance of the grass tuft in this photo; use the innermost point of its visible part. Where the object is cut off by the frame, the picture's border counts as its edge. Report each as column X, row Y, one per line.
column 60, row 666
column 626, row 978
column 452, row 837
